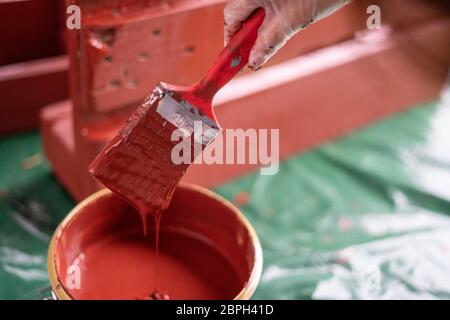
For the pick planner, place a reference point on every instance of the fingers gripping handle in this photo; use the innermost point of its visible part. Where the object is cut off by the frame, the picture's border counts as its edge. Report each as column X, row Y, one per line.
column 232, row 58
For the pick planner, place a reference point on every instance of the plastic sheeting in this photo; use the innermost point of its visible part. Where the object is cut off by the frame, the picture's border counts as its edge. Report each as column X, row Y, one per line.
column 31, row 205
column 364, row 217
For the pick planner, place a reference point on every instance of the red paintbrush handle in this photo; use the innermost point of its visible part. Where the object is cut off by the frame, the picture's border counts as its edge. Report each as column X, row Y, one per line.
column 231, row 59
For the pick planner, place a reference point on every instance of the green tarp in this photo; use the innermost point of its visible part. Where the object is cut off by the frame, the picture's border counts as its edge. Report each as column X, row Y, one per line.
column 364, row 217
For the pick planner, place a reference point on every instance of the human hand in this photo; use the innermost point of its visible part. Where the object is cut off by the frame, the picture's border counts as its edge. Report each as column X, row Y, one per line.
column 283, row 19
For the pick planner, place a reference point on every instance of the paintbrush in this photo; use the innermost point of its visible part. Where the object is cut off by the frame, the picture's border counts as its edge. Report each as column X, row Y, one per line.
column 137, row 163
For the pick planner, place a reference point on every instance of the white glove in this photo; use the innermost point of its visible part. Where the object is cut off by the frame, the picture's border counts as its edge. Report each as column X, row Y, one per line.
column 284, row 18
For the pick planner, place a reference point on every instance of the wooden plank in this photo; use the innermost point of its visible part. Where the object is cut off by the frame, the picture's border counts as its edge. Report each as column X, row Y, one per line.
column 28, row 86
column 30, row 30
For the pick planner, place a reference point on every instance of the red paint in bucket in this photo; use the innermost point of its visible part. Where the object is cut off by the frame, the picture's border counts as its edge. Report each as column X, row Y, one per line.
column 207, row 250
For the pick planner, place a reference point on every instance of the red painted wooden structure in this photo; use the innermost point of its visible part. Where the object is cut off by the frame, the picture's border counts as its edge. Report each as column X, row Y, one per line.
column 324, row 83
column 33, row 68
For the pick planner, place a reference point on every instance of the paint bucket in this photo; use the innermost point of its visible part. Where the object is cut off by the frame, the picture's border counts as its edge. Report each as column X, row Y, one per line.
column 199, row 230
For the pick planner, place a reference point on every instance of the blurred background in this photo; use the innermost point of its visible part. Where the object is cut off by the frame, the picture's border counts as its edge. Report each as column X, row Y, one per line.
column 360, row 208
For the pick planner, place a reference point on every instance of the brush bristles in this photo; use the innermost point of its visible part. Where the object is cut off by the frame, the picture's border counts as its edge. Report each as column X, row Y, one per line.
column 137, row 162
